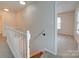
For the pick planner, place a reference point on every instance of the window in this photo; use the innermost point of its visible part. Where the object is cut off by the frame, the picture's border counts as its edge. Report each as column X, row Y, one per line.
column 77, row 22
column 58, row 22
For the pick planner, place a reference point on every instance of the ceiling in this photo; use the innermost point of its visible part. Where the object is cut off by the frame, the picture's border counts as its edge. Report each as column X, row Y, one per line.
column 12, row 5
column 61, row 6
column 65, row 6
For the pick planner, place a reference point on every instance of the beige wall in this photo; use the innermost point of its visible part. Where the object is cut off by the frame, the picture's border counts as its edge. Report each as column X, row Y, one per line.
column 1, row 24
column 67, row 23
column 8, row 18
column 21, row 24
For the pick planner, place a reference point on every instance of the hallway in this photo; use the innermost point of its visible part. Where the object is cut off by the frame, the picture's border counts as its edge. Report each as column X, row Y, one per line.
column 4, row 49
column 66, row 45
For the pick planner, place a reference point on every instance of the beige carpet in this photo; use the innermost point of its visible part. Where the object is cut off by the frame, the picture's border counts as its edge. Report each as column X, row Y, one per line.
column 67, row 45
column 4, row 49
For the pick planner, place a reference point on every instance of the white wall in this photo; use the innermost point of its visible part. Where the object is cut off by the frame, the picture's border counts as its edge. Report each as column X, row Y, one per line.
column 40, row 17
column 67, row 23
column 1, row 24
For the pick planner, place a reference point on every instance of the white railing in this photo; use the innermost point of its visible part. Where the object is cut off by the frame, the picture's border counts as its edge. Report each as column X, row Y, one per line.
column 16, row 41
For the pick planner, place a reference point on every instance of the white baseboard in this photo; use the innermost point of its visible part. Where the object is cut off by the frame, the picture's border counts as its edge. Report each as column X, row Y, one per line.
column 53, row 53
column 65, row 34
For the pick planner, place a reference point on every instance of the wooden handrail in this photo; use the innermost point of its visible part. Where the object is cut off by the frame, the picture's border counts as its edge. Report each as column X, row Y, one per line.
column 37, row 54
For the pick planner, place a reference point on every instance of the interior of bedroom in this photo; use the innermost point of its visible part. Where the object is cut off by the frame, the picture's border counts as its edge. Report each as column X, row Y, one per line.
column 67, row 29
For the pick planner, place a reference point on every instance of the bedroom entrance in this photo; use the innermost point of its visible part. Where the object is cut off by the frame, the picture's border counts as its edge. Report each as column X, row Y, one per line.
column 65, row 21
column 65, row 27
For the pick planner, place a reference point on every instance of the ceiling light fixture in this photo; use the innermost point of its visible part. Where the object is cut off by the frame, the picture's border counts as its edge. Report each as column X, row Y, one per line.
column 22, row 2
column 5, row 9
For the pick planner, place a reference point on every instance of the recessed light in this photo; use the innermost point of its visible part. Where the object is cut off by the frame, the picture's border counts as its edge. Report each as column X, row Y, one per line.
column 5, row 9
column 22, row 2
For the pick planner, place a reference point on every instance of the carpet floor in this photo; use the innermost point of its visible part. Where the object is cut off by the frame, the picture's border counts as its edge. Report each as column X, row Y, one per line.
column 5, row 51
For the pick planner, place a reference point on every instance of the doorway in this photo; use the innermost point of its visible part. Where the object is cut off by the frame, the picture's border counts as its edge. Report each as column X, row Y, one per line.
column 65, row 21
